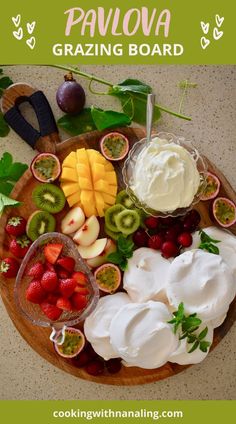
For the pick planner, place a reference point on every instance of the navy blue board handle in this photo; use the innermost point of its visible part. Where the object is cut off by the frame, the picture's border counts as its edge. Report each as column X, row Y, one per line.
column 46, row 138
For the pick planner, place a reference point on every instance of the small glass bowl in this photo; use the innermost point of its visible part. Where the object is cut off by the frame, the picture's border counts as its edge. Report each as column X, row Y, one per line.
column 130, row 163
column 32, row 311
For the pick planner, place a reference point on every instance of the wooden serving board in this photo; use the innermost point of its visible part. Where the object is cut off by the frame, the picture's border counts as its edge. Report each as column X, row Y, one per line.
column 38, row 337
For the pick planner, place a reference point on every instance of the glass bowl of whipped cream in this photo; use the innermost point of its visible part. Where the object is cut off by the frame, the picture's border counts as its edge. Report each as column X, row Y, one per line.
column 166, row 176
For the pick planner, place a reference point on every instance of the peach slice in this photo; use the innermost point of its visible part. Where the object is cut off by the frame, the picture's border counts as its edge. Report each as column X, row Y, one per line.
column 73, row 220
column 102, row 258
column 88, row 233
column 95, row 249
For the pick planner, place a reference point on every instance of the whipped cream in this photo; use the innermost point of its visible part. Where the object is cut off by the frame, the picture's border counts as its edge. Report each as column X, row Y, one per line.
column 227, row 245
column 141, row 336
column 96, row 325
column 181, row 355
column 165, row 176
column 203, row 282
column 146, row 276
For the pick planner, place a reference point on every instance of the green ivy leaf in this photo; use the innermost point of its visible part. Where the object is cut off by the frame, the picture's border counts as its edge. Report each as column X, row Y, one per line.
column 4, row 128
column 104, row 119
column 78, row 124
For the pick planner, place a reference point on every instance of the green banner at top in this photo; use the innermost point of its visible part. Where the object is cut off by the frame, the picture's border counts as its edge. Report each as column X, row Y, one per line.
column 118, row 32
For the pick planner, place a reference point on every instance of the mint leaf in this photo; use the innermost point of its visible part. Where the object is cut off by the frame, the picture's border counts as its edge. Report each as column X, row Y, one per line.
column 204, row 345
column 109, row 119
column 208, row 244
column 125, row 245
column 115, row 257
column 194, row 347
column 203, row 334
column 7, row 201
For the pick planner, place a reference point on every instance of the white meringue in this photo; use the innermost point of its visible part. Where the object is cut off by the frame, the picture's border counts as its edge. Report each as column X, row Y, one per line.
column 203, row 282
column 227, row 245
column 96, row 325
column 141, row 336
column 181, row 355
column 146, row 276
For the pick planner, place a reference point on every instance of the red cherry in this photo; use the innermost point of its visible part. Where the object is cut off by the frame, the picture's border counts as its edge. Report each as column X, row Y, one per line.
column 168, row 221
column 169, row 249
column 185, row 239
column 151, row 222
column 140, row 238
column 155, row 242
column 113, row 365
column 81, row 359
column 95, row 367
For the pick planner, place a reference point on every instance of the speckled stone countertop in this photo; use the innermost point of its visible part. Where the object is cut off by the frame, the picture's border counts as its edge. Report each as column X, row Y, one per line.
column 212, row 106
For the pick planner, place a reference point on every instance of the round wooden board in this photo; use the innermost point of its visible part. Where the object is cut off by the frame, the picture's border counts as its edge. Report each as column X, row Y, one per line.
column 38, row 337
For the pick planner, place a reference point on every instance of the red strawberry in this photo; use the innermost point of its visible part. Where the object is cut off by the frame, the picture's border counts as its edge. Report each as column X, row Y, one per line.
column 49, row 281
column 67, row 287
column 9, row 267
column 64, row 304
column 67, row 263
column 52, row 298
column 62, row 273
column 52, row 252
column 36, row 270
column 16, row 226
column 34, row 292
column 49, row 267
column 78, row 301
column 80, row 278
column 20, row 246
column 51, row 311
column 82, row 290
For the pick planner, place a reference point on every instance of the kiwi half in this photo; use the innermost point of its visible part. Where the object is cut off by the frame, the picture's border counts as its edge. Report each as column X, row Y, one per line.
column 127, row 221
column 110, row 215
column 49, row 198
column 124, row 199
column 40, row 222
column 112, row 234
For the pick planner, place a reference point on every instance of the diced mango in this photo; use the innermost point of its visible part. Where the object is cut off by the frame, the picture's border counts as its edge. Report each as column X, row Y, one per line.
column 108, row 166
column 99, row 201
column 87, row 202
column 85, row 183
column 110, row 200
column 112, row 190
column 111, row 177
column 82, row 170
column 98, row 171
column 73, row 199
column 70, row 160
column 82, row 157
column 69, row 188
column 69, row 174
column 95, row 156
column 101, row 185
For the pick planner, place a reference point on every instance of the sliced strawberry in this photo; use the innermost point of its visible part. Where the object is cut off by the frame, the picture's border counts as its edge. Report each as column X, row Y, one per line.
column 80, row 278
column 62, row 273
column 51, row 311
column 67, row 263
column 67, row 287
column 52, row 298
column 78, row 301
column 49, row 267
column 36, row 270
column 9, row 267
column 49, row 281
column 52, row 252
column 82, row 290
column 35, row 293
column 64, row 304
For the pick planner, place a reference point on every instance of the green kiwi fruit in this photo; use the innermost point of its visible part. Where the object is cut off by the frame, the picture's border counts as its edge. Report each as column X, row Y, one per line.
column 124, row 199
column 110, row 215
column 127, row 221
column 112, row 234
column 40, row 222
column 49, row 198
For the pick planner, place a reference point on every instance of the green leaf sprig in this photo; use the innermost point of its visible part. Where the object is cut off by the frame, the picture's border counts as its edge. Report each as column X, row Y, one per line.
column 10, row 173
column 208, row 243
column 124, row 252
column 188, row 325
column 4, row 83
